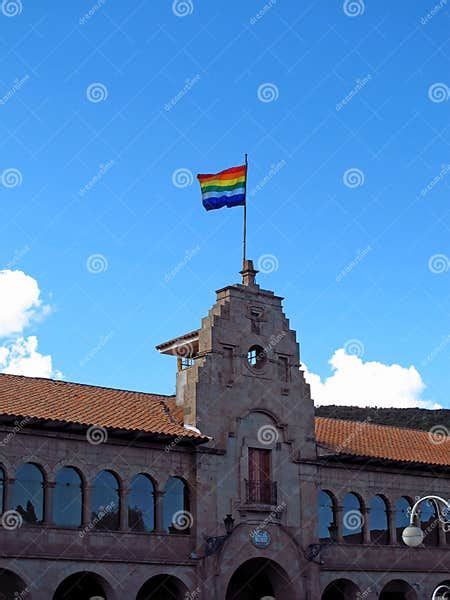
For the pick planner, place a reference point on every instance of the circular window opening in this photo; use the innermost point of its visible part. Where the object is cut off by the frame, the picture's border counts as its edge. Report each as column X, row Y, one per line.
column 256, row 357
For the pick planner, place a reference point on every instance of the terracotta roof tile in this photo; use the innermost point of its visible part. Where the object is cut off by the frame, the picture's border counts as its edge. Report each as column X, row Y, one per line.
column 91, row 405
column 382, row 442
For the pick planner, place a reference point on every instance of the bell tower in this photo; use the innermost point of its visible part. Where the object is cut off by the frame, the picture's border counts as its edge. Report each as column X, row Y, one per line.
column 244, row 359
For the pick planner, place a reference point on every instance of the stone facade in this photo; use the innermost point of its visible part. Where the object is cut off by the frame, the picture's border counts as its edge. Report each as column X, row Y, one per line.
column 246, row 390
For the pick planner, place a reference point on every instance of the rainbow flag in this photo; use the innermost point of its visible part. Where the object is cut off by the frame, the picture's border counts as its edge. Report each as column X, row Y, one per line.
column 226, row 188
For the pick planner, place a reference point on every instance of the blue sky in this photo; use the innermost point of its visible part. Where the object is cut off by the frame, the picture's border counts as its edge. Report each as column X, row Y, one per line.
column 109, row 109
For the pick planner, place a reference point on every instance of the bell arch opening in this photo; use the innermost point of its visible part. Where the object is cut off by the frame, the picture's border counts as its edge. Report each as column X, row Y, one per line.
column 163, row 587
column 341, row 589
column 83, row 585
column 11, row 586
column 260, row 579
column 398, row 590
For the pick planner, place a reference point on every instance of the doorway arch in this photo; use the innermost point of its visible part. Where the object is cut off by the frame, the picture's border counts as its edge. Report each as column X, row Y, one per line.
column 163, row 587
column 11, row 585
column 260, row 579
column 397, row 589
column 341, row 589
column 82, row 586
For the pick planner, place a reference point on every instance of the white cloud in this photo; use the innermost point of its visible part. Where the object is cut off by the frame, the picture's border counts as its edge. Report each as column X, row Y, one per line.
column 20, row 304
column 22, row 358
column 358, row 383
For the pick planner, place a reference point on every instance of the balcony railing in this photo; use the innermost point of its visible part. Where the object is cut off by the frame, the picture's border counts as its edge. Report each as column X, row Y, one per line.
column 261, row 492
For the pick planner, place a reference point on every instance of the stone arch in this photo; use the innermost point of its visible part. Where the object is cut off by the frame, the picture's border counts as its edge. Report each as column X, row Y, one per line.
column 235, row 552
column 12, row 585
column 398, row 589
column 150, row 473
column 163, row 587
column 327, row 515
column 260, row 578
column 341, row 589
column 82, row 584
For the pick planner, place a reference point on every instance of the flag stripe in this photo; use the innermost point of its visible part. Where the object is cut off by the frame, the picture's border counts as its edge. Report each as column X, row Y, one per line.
column 223, row 193
column 219, row 188
column 219, row 202
column 227, row 174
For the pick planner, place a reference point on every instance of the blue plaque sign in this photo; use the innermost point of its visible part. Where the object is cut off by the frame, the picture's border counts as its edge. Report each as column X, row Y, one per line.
column 260, row 538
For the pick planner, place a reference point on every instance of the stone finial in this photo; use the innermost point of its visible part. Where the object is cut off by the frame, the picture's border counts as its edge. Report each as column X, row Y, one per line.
column 248, row 273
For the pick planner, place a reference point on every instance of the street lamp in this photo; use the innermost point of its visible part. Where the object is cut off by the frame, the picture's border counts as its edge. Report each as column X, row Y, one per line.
column 442, row 591
column 413, row 535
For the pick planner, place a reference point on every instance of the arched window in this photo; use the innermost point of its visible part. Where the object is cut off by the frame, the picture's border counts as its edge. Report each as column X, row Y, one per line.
column 378, row 521
column 177, row 518
column 67, row 498
column 2, row 490
column 141, row 504
column 28, row 493
column 327, row 517
column 402, row 512
column 352, row 519
column 429, row 523
column 105, row 502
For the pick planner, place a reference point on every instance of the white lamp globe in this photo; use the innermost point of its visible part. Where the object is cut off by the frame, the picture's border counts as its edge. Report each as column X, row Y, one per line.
column 412, row 536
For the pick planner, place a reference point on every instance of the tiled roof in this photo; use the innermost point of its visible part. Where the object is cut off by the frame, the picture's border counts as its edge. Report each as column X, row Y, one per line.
column 91, row 405
column 47, row 399
column 382, row 442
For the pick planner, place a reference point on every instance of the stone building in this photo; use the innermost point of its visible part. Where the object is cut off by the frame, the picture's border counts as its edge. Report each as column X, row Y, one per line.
column 229, row 490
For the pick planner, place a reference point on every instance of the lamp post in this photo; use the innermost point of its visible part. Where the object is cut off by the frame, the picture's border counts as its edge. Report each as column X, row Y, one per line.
column 413, row 535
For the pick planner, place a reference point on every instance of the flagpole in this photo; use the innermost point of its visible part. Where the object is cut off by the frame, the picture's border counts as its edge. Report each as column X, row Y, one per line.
column 245, row 215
